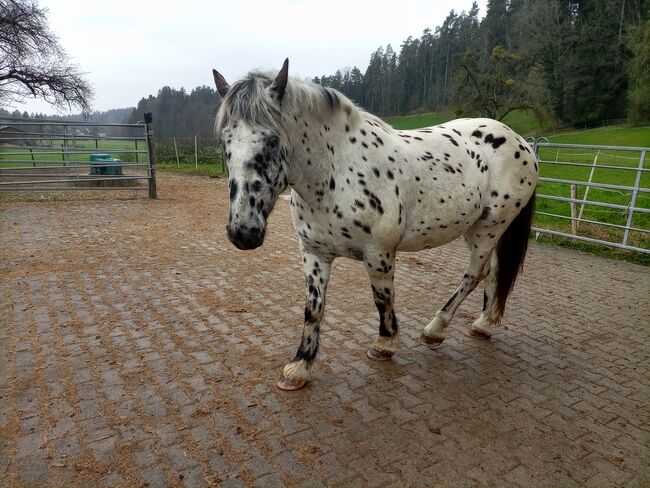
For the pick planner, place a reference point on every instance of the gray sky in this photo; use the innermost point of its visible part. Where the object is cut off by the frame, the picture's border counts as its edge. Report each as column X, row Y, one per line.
column 130, row 49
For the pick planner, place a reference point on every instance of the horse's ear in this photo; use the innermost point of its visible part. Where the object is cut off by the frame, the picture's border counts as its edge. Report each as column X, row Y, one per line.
column 220, row 81
column 280, row 82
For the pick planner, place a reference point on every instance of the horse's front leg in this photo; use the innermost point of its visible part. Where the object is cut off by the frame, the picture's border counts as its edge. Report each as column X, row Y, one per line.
column 381, row 271
column 317, row 274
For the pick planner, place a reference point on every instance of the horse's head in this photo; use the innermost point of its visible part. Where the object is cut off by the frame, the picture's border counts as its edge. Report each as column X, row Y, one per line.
column 250, row 127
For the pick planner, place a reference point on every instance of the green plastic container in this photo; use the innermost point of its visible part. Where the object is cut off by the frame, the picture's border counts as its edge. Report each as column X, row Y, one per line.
column 102, row 158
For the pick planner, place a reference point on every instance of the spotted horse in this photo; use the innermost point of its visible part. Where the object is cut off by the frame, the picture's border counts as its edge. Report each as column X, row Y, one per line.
column 362, row 190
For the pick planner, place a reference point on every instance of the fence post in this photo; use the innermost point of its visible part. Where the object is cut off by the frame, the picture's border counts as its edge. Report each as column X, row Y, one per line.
column 148, row 127
column 196, row 155
column 591, row 177
column 635, row 192
column 574, row 196
column 178, row 163
column 64, row 149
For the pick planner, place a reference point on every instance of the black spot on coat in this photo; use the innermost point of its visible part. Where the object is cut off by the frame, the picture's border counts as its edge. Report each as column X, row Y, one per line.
column 495, row 141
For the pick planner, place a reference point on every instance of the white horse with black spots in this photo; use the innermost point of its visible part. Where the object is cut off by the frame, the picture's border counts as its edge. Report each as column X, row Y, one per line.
column 362, row 190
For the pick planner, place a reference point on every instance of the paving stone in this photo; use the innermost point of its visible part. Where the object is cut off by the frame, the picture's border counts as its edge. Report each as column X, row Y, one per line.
column 179, row 457
column 33, row 469
column 137, row 345
column 154, row 476
column 112, row 479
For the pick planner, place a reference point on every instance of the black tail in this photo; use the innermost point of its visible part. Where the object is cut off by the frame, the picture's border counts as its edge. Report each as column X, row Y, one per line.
column 511, row 252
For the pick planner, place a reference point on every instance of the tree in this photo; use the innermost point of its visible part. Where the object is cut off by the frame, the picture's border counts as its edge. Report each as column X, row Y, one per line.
column 491, row 92
column 639, row 70
column 179, row 114
column 495, row 24
column 32, row 63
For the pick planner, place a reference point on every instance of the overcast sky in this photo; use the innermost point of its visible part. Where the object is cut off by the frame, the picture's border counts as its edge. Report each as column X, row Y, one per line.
column 130, row 49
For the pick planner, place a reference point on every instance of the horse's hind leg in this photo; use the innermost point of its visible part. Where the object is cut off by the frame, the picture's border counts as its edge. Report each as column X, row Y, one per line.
column 478, row 267
column 482, row 326
column 381, row 271
column 317, row 275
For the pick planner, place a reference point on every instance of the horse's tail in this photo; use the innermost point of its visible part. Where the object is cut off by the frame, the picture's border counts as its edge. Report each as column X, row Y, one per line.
column 511, row 251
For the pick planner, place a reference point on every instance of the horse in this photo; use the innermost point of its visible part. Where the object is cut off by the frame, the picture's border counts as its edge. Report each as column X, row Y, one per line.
column 363, row 190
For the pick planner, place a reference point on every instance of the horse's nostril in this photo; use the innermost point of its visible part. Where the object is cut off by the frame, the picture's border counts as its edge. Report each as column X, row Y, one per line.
column 246, row 238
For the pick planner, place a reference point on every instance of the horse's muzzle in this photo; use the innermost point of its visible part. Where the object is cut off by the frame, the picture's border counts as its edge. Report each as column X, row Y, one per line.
column 246, row 238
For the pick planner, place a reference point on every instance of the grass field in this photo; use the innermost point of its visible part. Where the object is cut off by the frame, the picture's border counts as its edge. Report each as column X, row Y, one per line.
column 421, row 120
column 51, row 152
column 212, row 170
column 609, row 136
column 525, row 123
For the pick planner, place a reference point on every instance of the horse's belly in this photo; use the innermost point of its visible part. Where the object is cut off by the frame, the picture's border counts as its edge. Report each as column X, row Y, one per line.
column 416, row 241
column 432, row 222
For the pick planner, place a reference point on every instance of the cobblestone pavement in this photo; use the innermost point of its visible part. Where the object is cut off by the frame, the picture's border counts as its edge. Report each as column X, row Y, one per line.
column 139, row 348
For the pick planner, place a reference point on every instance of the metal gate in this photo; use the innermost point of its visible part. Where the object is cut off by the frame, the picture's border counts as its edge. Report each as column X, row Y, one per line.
column 595, row 194
column 47, row 155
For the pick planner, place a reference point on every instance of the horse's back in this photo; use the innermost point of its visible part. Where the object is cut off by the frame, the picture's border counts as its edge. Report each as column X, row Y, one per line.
column 508, row 161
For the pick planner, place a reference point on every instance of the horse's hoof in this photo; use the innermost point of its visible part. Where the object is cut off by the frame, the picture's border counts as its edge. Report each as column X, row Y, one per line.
column 478, row 334
column 431, row 342
column 376, row 355
column 289, row 384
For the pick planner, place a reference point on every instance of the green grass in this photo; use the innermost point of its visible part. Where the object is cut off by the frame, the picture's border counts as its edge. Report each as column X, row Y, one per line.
column 405, row 122
column 598, row 250
column 614, row 136
column 607, row 136
column 50, row 152
column 204, row 169
column 525, row 123
column 521, row 121
column 628, row 159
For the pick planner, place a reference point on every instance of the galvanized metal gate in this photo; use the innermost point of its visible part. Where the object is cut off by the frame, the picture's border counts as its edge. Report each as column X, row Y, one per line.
column 46, row 155
column 604, row 188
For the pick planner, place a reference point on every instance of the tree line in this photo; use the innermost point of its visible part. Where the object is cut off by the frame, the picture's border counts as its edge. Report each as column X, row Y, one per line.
column 576, row 61
column 180, row 114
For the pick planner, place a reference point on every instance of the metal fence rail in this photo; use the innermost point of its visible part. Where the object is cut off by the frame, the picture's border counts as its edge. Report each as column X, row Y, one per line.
column 620, row 213
column 48, row 155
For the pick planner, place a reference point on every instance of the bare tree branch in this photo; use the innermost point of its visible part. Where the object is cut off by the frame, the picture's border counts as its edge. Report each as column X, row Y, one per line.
column 32, row 62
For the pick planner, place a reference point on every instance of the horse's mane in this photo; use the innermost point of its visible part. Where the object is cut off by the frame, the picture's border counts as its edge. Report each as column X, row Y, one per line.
column 248, row 100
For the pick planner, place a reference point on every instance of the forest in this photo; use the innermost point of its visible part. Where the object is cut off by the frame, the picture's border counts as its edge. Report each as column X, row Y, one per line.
column 570, row 62
column 575, row 62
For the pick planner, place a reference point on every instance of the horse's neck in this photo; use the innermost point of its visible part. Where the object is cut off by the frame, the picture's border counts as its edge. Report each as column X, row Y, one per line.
column 311, row 162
